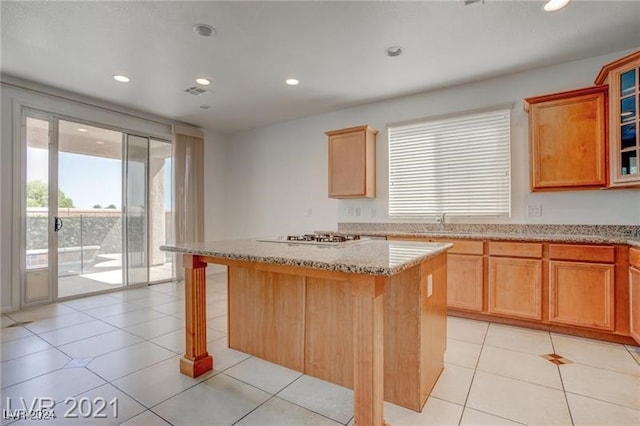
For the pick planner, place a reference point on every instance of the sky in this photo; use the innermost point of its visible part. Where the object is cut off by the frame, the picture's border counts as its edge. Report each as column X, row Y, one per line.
column 85, row 179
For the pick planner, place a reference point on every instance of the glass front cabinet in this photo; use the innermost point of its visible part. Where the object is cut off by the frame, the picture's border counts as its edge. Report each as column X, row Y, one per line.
column 623, row 78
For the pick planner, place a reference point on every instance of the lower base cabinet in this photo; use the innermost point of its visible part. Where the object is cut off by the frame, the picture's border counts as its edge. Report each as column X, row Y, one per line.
column 589, row 290
column 581, row 294
column 515, row 287
column 634, row 276
column 464, row 282
column 634, row 293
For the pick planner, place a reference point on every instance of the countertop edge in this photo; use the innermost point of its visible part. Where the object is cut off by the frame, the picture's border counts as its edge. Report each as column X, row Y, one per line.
column 555, row 238
column 312, row 264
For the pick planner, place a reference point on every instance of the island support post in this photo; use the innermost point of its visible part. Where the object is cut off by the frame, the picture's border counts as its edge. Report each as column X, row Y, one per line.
column 196, row 360
column 368, row 350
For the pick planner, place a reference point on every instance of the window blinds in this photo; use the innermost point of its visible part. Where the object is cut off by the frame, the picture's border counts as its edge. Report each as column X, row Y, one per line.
column 456, row 165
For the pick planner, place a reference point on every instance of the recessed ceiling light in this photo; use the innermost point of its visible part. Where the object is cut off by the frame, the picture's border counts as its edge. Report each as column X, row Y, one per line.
column 203, row 81
column 121, row 78
column 393, row 51
column 204, row 30
column 553, row 5
column 292, row 82
column 82, row 130
column 205, row 106
column 100, row 142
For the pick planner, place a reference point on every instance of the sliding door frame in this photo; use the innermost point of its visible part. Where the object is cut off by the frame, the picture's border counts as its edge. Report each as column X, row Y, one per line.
column 21, row 111
column 126, row 208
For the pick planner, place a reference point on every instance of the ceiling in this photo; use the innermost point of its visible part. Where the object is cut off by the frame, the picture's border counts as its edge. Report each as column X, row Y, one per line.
column 336, row 49
column 83, row 139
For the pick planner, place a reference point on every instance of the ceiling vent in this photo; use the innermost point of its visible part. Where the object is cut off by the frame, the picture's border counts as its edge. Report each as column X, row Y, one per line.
column 195, row 91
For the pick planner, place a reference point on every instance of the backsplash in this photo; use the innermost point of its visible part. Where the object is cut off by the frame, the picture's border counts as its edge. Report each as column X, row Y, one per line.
column 630, row 231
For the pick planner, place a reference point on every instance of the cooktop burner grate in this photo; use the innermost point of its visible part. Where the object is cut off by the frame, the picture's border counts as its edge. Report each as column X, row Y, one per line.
column 324, row 238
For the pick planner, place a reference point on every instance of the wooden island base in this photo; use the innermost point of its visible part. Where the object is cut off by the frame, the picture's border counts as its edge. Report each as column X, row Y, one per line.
column 382, row 336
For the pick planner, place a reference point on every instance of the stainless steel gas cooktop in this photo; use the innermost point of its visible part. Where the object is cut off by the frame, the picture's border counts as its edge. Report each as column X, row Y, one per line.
column 317, row 239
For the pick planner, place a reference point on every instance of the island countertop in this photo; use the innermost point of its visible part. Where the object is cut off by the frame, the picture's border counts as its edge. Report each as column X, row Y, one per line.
column 368, row 257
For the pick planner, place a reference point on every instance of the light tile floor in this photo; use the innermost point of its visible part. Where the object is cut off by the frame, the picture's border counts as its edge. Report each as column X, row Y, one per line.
column 120, row 352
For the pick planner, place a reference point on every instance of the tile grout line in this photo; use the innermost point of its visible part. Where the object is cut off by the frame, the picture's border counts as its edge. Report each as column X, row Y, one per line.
column 39, row 375
column 475, row 369
column 564, row 390
column 144, row 339
column 631, row 352
column 606, row 402
column 306, row 408
column 107, row 382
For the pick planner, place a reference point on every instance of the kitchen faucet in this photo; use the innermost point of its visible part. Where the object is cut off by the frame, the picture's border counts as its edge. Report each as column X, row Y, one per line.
column 441, row 220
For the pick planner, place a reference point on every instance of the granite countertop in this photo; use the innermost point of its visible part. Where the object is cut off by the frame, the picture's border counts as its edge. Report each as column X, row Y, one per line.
column 368, row 257
column 566, row 238
column 586, row 234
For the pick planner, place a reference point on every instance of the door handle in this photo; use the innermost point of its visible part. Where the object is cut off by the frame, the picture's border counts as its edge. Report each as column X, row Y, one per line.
column 57, row 225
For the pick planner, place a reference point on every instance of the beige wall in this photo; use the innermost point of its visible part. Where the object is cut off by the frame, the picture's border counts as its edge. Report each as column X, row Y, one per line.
column 275, row 176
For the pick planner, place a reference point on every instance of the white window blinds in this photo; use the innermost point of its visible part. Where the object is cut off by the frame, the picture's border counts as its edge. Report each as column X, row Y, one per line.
column 456, row 165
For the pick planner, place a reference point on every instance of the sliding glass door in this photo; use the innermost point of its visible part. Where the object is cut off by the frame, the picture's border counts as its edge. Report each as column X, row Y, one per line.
column 97, row 209
column 89, row 217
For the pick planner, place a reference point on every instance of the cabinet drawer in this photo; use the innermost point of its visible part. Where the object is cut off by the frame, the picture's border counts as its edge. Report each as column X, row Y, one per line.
column 515, row 249
column 605, row 254
column 463, row 246
column 634, row 257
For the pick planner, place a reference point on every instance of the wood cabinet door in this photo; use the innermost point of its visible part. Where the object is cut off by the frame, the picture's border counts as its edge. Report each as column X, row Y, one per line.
column 634, row 300
column 515, row 287
column 623, row 78
column 347, row 165
column 567, row 136
column 464, row 282
column 581, row 294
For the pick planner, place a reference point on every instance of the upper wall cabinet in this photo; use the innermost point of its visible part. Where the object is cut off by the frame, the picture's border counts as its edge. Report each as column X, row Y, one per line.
column 352, row 162
column 567, row 139
column 623, row 77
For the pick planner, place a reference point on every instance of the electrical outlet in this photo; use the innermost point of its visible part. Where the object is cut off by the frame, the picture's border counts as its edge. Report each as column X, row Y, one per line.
column 358, row 211
column 350, row 211
column 534, row 210
column 373, row 212
column 308, row 213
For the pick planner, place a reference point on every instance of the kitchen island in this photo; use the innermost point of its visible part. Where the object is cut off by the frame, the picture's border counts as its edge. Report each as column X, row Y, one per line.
column 370, row 315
